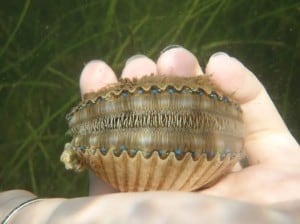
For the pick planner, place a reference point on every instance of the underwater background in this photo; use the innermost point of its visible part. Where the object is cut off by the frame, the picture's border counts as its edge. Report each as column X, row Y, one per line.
column 45, row 44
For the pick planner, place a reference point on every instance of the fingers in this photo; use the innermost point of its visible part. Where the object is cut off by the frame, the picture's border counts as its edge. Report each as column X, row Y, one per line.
column 178, row 61
column 234, row 79
column 94, row 76
column 174, row 60
column 266, row 133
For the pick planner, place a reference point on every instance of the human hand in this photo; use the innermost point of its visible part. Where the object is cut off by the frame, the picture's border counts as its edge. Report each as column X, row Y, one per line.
column 273, row 153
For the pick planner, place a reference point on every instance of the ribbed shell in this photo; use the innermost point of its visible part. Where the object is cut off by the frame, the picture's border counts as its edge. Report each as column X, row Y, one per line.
column 144, row 174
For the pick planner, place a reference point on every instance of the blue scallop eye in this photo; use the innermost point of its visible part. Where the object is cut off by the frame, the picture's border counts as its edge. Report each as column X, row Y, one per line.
column 89, row 103
column 237, row 107
column 140, row 91
column 200, row 92
column 124, row 93
column 123, row 147
column 147, row 154
column 178, row 152
column 160, row 152
column 154, row 91
column 210, row 155
column 213, row 95
column 117, row 152
column 170, row 90
column 103, row 150
column 194, row 154
column 185, row 90
column 81, row 147
column 225, row 99
column 133, row 152
column 99, row 99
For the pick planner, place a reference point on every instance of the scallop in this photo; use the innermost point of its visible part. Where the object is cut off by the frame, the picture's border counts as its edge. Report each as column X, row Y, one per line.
column 156, row 133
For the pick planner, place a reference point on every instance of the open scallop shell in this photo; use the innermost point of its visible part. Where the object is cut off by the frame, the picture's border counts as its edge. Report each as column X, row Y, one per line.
column 156, row 133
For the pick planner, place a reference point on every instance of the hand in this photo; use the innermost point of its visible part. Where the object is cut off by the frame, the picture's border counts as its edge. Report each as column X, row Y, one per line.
column 273, row 154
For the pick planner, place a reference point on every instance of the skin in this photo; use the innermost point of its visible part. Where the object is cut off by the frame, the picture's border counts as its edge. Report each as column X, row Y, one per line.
column 266, row 191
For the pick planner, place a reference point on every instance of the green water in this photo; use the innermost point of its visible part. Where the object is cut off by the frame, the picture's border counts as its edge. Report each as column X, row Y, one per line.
column 44, row 45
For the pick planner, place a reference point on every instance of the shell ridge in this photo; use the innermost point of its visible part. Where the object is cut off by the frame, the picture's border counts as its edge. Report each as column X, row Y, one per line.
column 195, row 171
column 183, row 163
column 222, row 169
column 102, row 167
column 153, row 161
column 138, row 165
column 110, row 169
column 210, row 168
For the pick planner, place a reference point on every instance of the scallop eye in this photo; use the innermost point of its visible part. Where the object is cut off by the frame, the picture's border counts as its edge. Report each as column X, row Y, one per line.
column 154, row 91
column 200, row 92
column 125, row 93
column 170, row 90
column 140, row 91
column 213, row 95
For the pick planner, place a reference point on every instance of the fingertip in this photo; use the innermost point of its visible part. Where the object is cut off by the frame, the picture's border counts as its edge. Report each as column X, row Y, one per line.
column 137, row 66
column 178, row 61
column 95, row 75
column 232, row 77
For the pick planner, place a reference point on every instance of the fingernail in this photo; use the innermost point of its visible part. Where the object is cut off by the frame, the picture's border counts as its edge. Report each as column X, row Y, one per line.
column 134, row 57
column 170, row 47
column 220, row 53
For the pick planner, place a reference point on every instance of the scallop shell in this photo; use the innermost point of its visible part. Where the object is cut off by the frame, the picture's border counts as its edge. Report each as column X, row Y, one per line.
column 156, row 133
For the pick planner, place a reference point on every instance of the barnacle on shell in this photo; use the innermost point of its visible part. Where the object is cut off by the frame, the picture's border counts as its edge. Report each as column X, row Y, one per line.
column 155, row 133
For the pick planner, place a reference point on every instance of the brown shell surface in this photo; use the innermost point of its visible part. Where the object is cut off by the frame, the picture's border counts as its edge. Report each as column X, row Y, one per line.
column 156, row 133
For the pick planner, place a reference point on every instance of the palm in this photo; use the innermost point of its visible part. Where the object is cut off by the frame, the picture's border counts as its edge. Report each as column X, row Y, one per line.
column 259, row 184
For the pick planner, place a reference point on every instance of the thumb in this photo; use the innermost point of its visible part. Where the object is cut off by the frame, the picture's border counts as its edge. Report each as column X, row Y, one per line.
column 265, row 132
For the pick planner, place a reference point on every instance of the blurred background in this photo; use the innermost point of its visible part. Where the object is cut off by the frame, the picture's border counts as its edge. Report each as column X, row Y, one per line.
column 45, row 44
